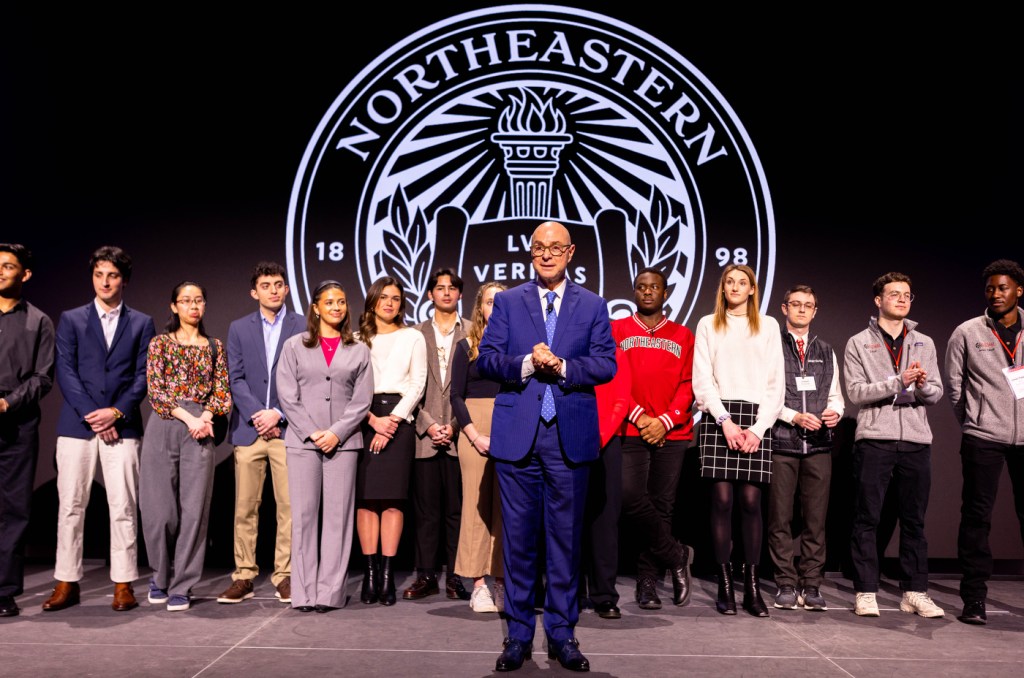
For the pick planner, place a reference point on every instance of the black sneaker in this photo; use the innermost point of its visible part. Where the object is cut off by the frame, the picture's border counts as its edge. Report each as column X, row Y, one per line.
column 786, row 598
column 811, row 599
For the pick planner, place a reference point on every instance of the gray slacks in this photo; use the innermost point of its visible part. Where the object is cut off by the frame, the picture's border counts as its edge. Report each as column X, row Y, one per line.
column 320, row 562
column 175, row 486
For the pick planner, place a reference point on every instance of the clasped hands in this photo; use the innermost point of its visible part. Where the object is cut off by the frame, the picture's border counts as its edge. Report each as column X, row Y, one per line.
column 740, row 439
column 267, row 424
column 545, row 361
column 651, row 430
column 808, row 421
column 101, row 422
column 385, row 428
column 441, row 434
column 914, row 374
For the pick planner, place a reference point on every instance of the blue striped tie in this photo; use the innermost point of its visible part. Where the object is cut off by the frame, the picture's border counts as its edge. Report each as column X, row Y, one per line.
column 547, row 406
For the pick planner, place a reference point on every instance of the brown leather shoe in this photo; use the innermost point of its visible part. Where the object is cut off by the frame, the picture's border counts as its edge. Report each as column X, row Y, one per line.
column 425, row 585
column 124, row 597
column 240, row 589
column 284, row 590
column 65, row 594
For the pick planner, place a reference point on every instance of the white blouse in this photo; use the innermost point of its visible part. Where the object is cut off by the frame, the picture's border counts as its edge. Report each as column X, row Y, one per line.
column 400, row 366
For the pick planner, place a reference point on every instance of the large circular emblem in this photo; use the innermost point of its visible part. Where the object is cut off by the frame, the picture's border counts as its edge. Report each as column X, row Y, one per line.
column 451, row 147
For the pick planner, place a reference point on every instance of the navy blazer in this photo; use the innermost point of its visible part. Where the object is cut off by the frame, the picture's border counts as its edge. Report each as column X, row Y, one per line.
column 92, row 377
column 249, row 372
column 583, row 338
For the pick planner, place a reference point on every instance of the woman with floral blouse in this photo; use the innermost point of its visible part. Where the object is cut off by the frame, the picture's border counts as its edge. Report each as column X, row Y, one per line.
column 187, row 375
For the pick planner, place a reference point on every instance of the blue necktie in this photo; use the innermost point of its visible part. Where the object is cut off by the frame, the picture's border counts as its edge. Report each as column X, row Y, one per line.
column 547, row 405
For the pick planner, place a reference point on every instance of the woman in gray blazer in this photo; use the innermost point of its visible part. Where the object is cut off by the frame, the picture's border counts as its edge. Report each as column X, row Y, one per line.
column 325, row 385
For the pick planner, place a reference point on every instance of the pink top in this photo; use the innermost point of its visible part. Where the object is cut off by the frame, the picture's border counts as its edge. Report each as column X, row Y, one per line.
column 329, row 347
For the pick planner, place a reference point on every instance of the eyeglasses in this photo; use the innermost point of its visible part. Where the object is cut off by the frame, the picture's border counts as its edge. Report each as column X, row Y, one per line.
column 796, row 305
column 899, row 296
column 186, row 302
column 539, row 250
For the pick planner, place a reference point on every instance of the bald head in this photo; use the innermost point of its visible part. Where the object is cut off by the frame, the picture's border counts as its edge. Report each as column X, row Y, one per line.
column 550, row 267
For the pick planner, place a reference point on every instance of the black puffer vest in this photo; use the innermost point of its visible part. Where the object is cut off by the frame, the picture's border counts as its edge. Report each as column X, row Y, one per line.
column 818, row 363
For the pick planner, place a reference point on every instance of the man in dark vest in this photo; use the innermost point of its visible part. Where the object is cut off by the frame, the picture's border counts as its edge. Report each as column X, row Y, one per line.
column 802, row 454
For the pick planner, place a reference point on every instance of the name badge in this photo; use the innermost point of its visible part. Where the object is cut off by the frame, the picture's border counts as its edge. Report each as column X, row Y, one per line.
column 906, row 394
column 1015, row 378
column 805, row 384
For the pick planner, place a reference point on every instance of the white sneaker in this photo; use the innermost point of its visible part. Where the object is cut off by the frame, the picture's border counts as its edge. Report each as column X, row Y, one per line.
column 481, row 600
column 499, row 596
column 919, row 602
column 866, row 606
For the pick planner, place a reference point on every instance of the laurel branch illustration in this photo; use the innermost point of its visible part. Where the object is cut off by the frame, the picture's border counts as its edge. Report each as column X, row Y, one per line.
column 407, row 254
column 656, row 244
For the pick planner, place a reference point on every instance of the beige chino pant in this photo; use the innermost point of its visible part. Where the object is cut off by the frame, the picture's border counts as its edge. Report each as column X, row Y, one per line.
column 251, row 463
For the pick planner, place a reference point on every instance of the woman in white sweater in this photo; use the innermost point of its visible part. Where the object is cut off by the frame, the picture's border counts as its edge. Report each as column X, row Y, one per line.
column 739, row 385
column 399, row 357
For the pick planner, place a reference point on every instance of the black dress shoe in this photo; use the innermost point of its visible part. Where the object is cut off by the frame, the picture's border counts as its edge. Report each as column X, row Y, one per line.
column 568, row 654
column 305, row 608
column 607, row 611
column 323, row 608
column 974, row 613
column 646, row 593
column 425, row 585
column 513, row 655
column 8, row 608
column 681, row 577
column 454, row 588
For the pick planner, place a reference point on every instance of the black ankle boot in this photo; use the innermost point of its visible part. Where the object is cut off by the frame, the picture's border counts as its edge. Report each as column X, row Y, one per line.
column 387, row 582
column 371, row 580
column 726, row 603
column 752, row 600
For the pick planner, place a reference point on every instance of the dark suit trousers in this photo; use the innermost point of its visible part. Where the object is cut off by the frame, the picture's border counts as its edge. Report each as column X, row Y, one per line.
column 873, row 468
column 604, row 503
column 809, row 478
column 437, row 498
column 542, row 490
column 19, row 448
column 982, row 463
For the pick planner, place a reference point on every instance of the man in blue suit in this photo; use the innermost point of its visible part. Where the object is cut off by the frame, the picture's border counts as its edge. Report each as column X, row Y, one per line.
column 101, row 369
column 257, row 430
column 549, row 343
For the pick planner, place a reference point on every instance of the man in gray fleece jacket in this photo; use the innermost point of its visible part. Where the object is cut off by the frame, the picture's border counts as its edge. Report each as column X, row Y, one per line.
column 983, row 355
column 892, row 373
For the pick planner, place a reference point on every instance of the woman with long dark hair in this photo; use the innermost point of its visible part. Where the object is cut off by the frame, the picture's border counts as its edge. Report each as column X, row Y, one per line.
column 739, row 385
column 399, row 358
column 479, row 553
column 187, row 376
column 325, row 385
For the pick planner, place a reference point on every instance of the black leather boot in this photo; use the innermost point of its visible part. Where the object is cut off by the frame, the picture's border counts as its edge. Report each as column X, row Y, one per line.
column 726, row 603
column 371, row 580
column 387, row 582
column 681, row 576
column 752, row 600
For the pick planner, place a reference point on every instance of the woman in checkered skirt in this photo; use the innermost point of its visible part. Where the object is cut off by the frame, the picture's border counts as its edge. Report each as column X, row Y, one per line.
column 739, row 385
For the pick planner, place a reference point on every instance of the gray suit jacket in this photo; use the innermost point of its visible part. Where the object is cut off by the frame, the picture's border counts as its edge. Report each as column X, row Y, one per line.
column 436, row 406
column 316, row 397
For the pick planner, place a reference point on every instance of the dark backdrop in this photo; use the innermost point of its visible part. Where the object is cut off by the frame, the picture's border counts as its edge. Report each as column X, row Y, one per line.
column 888, row 142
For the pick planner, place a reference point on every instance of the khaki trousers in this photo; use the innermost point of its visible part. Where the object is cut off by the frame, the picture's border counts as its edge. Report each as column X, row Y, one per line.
column 250, row 471
column 480, row 551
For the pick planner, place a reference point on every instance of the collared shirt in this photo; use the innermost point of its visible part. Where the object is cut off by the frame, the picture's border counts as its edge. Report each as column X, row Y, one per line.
column 836, row 403
column 444, row 344
column 542, row 295
column 271, row 338
column 26, row 344
column 108, row 320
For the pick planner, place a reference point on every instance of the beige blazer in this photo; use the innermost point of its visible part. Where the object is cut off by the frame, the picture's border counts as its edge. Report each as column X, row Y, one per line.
column 436, row 405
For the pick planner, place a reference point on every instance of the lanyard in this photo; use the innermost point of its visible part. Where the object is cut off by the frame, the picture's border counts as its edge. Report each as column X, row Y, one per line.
column 1013, row 353
column 896, row 356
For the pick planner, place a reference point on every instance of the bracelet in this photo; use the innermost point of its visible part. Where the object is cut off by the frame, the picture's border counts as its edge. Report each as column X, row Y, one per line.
column 473, row 441
column 724, row 418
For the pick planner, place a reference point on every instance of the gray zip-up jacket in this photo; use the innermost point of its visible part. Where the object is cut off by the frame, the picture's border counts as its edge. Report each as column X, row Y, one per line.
column 868, row 375
column 982, row 400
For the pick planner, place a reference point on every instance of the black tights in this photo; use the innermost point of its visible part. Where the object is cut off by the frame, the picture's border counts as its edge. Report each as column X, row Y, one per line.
column 749, row 498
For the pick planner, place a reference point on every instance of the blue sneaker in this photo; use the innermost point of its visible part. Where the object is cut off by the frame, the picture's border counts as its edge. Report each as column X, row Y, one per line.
column 157, row 596
column 177, row 603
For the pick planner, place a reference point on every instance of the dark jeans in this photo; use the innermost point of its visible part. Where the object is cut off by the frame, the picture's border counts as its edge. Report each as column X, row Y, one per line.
column 873, row 467
column 810, row 476
column 650, row 476
column 982, row 463
column 601, row 538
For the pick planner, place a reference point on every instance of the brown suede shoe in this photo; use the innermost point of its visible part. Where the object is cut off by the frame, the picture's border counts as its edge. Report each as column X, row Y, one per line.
column 65, row 594
column 124, row 597
column 284, row 590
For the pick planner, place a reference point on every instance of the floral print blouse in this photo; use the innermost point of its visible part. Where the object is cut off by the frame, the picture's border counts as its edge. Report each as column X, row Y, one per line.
column 176, row 372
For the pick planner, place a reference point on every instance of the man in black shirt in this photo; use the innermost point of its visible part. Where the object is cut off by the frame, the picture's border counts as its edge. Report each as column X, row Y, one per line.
column 26, row 375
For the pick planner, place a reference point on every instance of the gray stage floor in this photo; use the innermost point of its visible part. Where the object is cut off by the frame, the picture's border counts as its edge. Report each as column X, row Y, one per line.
column 437, row 637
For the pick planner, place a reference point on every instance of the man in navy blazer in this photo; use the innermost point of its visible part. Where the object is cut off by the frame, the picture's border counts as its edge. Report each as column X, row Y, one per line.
column 549, row 343
column 257, row 430
column 101, row 369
